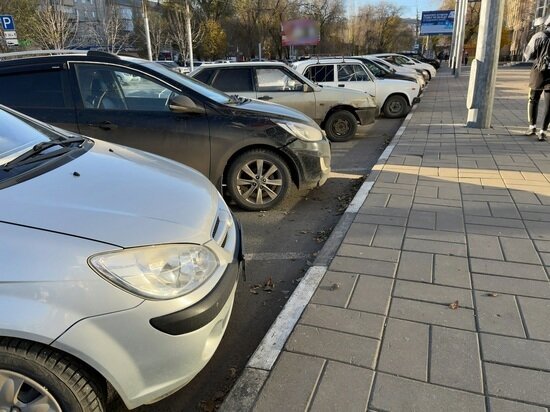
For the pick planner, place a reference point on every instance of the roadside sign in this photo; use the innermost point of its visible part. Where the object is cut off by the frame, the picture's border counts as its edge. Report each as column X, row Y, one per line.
column 438, row 22
column 12, row 42
column 8, row 24
column 10, row 35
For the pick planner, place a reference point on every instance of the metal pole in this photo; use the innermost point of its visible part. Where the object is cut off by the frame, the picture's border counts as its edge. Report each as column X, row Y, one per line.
column 481, row 92
column 460, row 41
column 147, row 34
column 189, row 38
column 260, row 51
column 453, row 39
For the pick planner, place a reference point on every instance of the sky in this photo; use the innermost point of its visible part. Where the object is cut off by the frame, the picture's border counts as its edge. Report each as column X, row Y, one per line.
column 409, row 6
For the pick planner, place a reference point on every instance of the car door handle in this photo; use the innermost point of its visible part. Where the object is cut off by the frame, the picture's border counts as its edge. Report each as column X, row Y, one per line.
column 265, row 98
column 341, row 85
column 106, row 125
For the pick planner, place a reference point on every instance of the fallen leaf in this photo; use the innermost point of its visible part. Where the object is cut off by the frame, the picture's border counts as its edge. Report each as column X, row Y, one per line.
column 269, row 285
column 232, row 372
column 454, row 305
column 491, row 294
column 334, row 286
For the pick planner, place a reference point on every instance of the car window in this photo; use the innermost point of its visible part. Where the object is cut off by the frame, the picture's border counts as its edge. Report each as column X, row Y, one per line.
column 204, row 76
column 377, row 71
column 34, row 89
column 352, row 73
column 276, row 80
column 402, row 60
column 320, row 73
column 110, row 88
column 234, row 80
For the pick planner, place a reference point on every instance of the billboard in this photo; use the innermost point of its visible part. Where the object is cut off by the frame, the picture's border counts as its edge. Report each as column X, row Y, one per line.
column 437, row 22
column 301, row 32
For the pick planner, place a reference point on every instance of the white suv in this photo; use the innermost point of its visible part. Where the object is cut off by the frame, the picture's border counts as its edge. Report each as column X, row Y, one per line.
column 393, row 97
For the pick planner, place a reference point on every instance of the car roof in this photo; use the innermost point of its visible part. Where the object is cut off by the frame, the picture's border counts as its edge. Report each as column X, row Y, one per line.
column 241, row 64
column 326, row 60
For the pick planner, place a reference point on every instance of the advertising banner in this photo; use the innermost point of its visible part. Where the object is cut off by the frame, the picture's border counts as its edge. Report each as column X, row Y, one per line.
column 438, row 22
column 301, row 32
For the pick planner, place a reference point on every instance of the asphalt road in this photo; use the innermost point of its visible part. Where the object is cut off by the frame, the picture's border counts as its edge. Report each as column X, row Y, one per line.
column 280, row 245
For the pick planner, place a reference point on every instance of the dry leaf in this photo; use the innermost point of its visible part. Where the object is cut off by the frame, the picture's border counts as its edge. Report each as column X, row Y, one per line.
column 334, row 286
column 492, row 294
column 269, row 285
column 454, row 305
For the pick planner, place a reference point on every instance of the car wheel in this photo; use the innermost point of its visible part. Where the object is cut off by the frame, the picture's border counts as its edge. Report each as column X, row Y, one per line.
column 36, row 377
column 395, row 106
column 258, row 180
column 341, row 126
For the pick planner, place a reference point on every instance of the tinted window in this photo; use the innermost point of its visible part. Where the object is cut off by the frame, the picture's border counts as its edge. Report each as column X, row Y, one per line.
column 36, row 89
column 377, row 71
column 321, row 73
column 107, row 88
column 352, row 73
column 234, row 80
column 204, row 76
column 276, row 80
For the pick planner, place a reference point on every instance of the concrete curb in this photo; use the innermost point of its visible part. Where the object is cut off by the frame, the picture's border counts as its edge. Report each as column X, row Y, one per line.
column 243, row 395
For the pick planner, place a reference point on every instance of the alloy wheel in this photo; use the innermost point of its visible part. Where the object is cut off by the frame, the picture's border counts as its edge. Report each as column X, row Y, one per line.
column 19, row 393
column 259, row 181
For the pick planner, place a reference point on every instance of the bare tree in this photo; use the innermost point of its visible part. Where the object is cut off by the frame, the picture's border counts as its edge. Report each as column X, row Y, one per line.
column 158, row 34
column 111, row 31
column 53, row 27
column 176, row 19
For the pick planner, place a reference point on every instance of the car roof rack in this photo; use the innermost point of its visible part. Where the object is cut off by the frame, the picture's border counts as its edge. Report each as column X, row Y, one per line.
column 38, row 53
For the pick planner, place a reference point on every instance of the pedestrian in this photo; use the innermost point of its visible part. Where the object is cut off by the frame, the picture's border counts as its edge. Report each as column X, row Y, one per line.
column 538, row 50
column 466, row 56
column 446, row 56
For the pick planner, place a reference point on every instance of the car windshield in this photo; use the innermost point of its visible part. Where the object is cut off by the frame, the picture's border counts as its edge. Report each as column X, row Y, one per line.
column 18, row 135
column 195, row 85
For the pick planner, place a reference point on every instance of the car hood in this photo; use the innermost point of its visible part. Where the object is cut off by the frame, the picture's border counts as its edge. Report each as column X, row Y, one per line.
column 267, row 109
column 123, row 197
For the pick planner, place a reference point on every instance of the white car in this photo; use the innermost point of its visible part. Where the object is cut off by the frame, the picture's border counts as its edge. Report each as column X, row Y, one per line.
column 405, row 61
column 118, row 271
column 393, row 97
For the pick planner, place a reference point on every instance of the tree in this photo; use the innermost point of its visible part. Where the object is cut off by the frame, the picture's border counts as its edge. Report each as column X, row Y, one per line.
column 175, row 17
column 214, row 40
column 111, row 31
column 329, row 14
column 52, row 27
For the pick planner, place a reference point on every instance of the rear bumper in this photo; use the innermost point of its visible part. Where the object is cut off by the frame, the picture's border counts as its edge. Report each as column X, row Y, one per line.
column 367, row 115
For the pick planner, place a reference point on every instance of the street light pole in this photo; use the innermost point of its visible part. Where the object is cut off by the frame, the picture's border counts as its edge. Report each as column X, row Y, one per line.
column 462, row 13
column 147, row 34
column 189, row 38
column 481, row 92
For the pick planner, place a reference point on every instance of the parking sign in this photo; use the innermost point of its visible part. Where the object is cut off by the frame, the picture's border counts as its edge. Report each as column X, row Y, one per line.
column 7, row 23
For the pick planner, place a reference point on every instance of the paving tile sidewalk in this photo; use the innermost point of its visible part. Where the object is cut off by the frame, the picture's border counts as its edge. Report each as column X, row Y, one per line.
column 439, row 296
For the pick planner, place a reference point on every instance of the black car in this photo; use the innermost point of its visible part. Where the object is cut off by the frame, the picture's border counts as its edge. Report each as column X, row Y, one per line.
column 436, row 63
column 255, row 150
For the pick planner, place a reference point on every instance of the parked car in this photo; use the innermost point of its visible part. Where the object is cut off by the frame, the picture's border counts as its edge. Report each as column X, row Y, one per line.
column 172, row 65
column 436, row 63
column 393, row 97
column 384, row 71
column 401, row 60
column 337, row 111
column 118, row 269
column 400, row 69
column 255, row 150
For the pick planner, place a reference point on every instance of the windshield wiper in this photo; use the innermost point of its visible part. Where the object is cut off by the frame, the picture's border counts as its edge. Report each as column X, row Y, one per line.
column 29, row 156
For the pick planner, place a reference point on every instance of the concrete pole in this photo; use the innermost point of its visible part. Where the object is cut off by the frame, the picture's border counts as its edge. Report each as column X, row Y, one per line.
column 189, row 38
column 463, row 10
column 453, row 39
column 481, row 92
column 147, row 33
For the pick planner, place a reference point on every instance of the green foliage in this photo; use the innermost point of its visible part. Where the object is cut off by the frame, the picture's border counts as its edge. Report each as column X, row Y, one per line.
column 214, row 40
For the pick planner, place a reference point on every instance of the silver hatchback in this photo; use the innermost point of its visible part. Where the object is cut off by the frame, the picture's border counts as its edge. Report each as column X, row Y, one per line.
column 118, row 269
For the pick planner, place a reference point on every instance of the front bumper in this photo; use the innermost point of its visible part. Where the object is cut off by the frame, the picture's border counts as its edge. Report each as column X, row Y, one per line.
column 312, row 159
column 154, row 349
column 367, row 115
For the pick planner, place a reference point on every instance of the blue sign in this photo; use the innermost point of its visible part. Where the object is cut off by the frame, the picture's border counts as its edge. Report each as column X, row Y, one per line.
column 7, row 23
column 437, row 22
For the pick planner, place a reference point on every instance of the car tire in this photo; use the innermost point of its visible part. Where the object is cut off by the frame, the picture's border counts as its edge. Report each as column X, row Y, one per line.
column 395, row 106
column 40, row 372
column 258, row 180
column 341, row 126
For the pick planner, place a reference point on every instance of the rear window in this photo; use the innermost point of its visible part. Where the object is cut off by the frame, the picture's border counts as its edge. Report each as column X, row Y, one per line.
column 234, row 80
column 204, row 76
column 321, row 73
column 34, row 89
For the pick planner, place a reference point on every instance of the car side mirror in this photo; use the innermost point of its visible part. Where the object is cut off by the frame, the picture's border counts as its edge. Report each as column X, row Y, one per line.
column 307, row 88
column 184, row 104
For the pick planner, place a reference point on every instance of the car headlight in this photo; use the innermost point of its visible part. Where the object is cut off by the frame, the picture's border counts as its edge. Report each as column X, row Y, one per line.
column 157, row 272
column 300, row 130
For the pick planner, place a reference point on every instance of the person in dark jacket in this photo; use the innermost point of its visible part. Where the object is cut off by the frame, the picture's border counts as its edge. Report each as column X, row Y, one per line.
column 538, row 50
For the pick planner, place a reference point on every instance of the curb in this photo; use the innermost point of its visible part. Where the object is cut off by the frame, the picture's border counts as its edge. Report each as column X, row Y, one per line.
column 243, row 395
